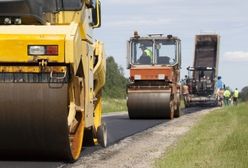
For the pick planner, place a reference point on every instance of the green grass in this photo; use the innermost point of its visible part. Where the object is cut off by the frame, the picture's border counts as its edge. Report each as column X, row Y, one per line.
column 114, row 105
column 219, row 140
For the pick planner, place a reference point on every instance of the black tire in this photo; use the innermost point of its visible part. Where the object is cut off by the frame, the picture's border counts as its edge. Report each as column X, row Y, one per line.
column 102, row 135
column 177, row 112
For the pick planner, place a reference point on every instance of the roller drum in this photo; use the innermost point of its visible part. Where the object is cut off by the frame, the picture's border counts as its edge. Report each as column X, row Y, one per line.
column 33, row 121
column 149, row 105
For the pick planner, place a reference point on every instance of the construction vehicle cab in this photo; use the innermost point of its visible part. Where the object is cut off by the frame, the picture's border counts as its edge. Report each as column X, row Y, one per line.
column 43, row 11
column 154, row 63
column 52, row 72
column 165, row 51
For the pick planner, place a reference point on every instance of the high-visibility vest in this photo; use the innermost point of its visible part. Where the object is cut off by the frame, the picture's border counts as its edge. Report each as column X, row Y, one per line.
column 227, row 93
column 236, row 94
column 148, row 53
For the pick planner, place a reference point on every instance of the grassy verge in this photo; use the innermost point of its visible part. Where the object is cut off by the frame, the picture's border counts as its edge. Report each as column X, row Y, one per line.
column 220, row 140
column 114, row 105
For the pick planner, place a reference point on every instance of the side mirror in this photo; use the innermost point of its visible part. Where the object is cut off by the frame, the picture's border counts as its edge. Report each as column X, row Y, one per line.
column 128, row 66
column 96, row 14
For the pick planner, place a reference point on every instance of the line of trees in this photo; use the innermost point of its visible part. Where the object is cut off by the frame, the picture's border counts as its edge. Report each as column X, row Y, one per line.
column 115, row 86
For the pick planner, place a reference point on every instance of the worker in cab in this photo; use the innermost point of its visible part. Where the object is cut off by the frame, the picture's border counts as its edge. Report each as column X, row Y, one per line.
column 235, row 96
column 227, row 95
column 146, row 57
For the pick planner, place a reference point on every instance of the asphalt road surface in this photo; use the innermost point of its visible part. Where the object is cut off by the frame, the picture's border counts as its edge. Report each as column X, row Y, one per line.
column 119, row 126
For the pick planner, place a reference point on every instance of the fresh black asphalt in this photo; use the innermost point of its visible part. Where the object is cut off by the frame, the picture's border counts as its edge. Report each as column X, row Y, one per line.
column 118, row 125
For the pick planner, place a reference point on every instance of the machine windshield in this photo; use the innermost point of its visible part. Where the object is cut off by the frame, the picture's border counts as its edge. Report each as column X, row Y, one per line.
column 166, row 52
column 142, row 52
column 158, row 52
column 35, row 8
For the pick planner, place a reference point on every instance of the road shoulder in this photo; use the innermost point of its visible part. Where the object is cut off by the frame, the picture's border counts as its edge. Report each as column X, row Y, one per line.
column 143, row 148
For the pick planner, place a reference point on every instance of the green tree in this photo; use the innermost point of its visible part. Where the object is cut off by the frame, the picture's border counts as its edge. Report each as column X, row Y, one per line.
column 244, row 94
column 115, row 86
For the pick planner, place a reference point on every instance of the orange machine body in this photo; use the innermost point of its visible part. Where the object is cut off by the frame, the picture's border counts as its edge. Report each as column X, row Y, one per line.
column 151, row 73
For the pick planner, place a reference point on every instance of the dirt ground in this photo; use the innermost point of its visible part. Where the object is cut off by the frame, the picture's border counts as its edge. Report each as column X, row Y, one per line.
column 142, row 149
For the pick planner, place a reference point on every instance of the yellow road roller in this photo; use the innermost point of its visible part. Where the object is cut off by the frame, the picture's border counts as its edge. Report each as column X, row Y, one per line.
column 52, row 72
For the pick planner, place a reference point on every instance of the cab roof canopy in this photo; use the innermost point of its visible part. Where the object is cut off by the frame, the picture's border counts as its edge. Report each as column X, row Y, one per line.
column 36, row 8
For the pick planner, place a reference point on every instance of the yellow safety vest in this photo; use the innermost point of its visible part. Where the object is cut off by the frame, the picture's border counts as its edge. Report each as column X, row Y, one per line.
column 236, row 93
column 227, row 93
column 148, row 53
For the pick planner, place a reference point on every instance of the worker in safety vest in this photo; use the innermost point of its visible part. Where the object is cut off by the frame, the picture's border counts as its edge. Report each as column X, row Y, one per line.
column 227, row 95
column 147, row 54
column 235, row 96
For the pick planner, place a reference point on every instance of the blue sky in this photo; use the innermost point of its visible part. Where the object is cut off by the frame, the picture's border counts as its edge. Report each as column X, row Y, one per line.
column 185, row 19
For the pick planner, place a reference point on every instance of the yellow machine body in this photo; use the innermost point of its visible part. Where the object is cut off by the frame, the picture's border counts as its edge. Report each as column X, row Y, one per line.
column 77, row 70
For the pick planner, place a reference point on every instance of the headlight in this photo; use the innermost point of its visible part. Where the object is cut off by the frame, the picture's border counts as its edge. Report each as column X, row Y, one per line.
column 7, row 21
column 18, row 21
column 42, row 50
column 137, row 77
column 36, row 50
column 161, row 76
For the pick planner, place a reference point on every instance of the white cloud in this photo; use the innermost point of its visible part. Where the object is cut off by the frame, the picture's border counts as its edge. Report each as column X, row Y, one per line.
column 236, row 56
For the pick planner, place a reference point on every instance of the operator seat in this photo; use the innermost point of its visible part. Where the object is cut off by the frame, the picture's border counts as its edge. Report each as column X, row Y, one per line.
column 144, row 60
